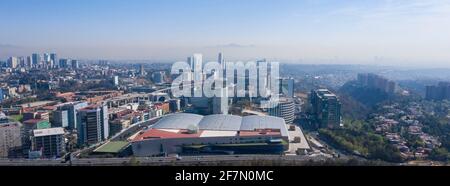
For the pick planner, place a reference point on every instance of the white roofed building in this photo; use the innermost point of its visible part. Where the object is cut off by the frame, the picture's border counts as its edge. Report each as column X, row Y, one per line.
column 218, row 134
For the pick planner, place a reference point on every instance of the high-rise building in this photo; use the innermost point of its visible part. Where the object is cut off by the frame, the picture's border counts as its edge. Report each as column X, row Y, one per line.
column 116, row 80
column 197, row 62
column 22, row 62
column 326, row 108
column 438, row 92
column 75, row 64
column 287, row 87
column 283, row 108
column 49, row 141
column 46, row 57
column 29, row 63
column 190, row 62
column 63, row 63
column 53, row 57
column 60, row 118
column 72, row 109
column 13, row 62
column 103, row 63
column 142, row 70
column 10, row 139
column 159, row 77
column 1, row 95
column 93, row 124
column 53, row 60
column 104, row 118
column 221, row 60
column 377, row 82
column 36, row 59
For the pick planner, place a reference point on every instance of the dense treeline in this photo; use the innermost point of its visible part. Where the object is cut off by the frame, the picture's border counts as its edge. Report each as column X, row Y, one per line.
column 358, row 142
column 438, row 127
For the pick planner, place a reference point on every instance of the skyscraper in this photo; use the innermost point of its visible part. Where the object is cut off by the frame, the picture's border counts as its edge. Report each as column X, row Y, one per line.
column 197, row 61
column 93, row 124
column 287, row 87
column 75, row 64
column 72, row 110
column 63, row 63
column 53, row 59
column 190, row 61
column 104, row 121
column 36, row 59
column 141, row 70
column 221, row 60
column 46, row 57
column 29, row 63
column 13, row 62
column 326, row 108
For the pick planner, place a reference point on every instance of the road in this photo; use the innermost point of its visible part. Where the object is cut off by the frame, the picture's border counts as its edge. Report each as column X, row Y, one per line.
column 164, row 161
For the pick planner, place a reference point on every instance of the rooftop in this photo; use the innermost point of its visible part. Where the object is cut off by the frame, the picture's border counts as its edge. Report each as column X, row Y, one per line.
column 162, row 134
column 112, row 147
column 48, row 132
column 176, row 125
column 220, row 122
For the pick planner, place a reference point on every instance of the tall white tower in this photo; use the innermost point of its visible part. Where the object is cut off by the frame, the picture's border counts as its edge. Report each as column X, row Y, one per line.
column 198, row 74
column 197, row 61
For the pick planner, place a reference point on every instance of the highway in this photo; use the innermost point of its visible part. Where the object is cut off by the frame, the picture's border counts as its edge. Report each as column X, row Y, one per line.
column 29, row 162
column 164, row 161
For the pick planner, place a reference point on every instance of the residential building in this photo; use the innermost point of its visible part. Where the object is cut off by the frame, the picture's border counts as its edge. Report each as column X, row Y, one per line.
column 326, row 108
column 10, row 139
column 283, row 108
column 438, row 92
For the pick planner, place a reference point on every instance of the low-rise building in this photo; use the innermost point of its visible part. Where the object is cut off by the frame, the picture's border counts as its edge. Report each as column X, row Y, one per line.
column 191, row 133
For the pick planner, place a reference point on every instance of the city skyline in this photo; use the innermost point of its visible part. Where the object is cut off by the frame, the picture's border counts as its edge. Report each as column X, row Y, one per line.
column 335, row 32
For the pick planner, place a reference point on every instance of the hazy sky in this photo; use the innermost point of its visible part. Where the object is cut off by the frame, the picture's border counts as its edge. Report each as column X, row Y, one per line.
column 338, row 31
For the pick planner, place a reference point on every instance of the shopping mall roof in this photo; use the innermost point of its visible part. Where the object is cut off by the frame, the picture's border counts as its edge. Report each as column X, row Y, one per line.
column 178, row 121
column 221, row 122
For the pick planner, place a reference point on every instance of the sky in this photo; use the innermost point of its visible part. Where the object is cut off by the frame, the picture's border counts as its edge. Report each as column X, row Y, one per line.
column 409, row 32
